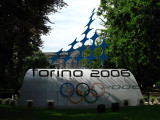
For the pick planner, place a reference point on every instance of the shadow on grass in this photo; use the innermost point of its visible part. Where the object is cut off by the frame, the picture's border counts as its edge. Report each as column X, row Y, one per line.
column 126, row 113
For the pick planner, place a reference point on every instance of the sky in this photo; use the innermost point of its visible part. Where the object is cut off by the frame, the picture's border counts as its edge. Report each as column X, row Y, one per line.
column 69, row 23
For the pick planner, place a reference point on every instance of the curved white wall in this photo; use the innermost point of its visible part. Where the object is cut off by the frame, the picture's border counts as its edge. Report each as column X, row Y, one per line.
column 42, row 85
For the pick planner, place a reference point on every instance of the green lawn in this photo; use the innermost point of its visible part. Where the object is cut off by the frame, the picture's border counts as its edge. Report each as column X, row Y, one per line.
column 126, row 113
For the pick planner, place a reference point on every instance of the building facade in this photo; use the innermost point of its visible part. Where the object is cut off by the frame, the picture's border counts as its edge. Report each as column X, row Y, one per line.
column 60, row 63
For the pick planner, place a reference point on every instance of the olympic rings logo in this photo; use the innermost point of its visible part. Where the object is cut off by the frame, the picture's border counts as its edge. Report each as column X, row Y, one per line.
column 82, row 95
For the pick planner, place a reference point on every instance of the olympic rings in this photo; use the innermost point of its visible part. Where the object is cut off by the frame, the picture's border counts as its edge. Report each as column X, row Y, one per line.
column 62, row 87
column 72, row 100
column 71, row 92
column 81, row 94
column 88, row 100
column 97, row 94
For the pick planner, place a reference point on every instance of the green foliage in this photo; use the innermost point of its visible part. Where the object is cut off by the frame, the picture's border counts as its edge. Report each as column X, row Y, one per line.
column 96, row 63
column 22, row 22
column 85, row 62
column 97, row 52
column 52, row 66
column 37, row 60
column 22, row 113
column 158, row 83
column 132, row 28
column 86, row 52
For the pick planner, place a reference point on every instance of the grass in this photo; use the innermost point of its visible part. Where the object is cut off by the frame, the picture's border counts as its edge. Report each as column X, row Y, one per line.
column 126, row 113
column 150, row 97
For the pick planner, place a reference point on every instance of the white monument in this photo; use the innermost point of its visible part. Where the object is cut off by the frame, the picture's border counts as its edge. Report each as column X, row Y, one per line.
column 82, row 88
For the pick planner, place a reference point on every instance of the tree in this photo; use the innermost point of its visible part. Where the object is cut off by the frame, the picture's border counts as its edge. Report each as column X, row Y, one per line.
column 22, row 22
column 131, row 26
column 37, row 60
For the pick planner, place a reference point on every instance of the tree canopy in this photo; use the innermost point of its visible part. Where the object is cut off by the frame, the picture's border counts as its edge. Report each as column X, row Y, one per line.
column 132, row 28
column 22, row 22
